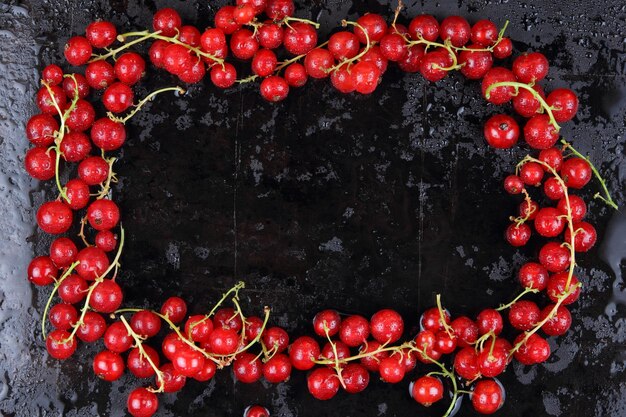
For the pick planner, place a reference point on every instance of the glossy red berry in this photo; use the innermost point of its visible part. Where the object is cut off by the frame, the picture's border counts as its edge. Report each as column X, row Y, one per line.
column 558, row 287
column 106, row 297
column 243, row 14
column 487, row 396
column 175, row 309
column 386, row 326
column 465, row 331
column 531, row 173
column 518, row 234
column 198, row 328
column 81, row 117
column 365, row 76
column 553, row 157
column 559, row 323
column 503, row 49
column 326, row 319
column 354, row 330
column 553, row 189
column 342, row 79
column 52, row 74
column 223, row 77
column 101, row 34
column 40, row 163
column 276, row 338
column 129, row 68
column 501, row 131
column 431, row 319
column 300, row 38
column 426, row 341
column 502, row 94
column 355, row 377
column 93, row 170
column 492, row 360
column 424, row 27
column 427, row 390
column 138, row 364
column 277, row 369
column 533, row 275
column 75, row 146
column 554, row 256
column 523, row 315
column 40, row 129
column 392, row 369
column 393, row 47
column 564, row 104
column 549, row 222
column 530, row 67
column 247, row 368
column 60, row 345
column 466, row 363
column 270, row 35
column 323, row 383
column 77, row 51
column 274, row 88
column 302, row 352
column 223, row 341
column 99, row 75
column 76, row 85
column 118, row 97
column 63, row 316
column 456, row 30
column 343, row 45
column 46, row 99
column 584, row 236
column 73, row 289
column 167, row 21
column 540, row 133
column 54, row 217
column 513, row 184
column 475, row 63
column 374, row 25
column 489, row 320
column 108, row 366
column 188, row 361
column 42, row 271
column 433, row 64
column 116, row 338
column 526, row 104
column 93, row 327
column 371, row 361
column 328, row 351
column 256, row 411
column 145, row 323
column 107, row 134
column 264, row 62
column 484, row 33
column 173, row 381
column 576, row 172
column 63, row 252
column 243, row 44
column 142, row 403
column 318, row 62
column 279, row 9
column 77, row 192
column 103, row 214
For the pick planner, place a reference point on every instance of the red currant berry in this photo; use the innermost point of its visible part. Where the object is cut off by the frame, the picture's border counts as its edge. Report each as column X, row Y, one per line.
column 475, row 64
column 531, row 173
column 175, row 309
column 145, row 323
column 198, row 328
column 540, row 133
column 54, row 217
column 371, row 360
column 258, row 6
column 393, row 47
column 73, row 289
column 526, row 104
column 318, row 62
column 138, row 364
column 46, row 99
column 553, row 157
column 372, row 24
column 328, row 352
column 42, row 271
column 118, row 97
column 243, row 44
column 302, row 352
column 227, row 318
column 446, row 343
column 484, row 33
column 523, row 315
column 106, row 240
column 279, row 9
column 365, row 76
column 277, row 369
column 343, row 45
column 60, row 345
column 386, row 326
column 223, row 341
column 433, row 65
column 465, row 331
column 492, row 361
column 77, row 51
column 141, row 402
column 342, row 79
column 424, row 27
column 427, row 390
column 552, row 189
column 426, row 342
column 116, row 338
column 326, row 319
column 528, row 210
column 256, row 411
column 40, row 163
column 487, row 396
column 167, row 21
column 99, row 75
column 456, row 30
column 489, row 321
column 584, row 236
column 323, row 383
column 549, row 222
column 254, row 325
column 431, row 319
column 503, row 49
column 188, row 361
column 466, row 363
column 564, row 104
column 78, row 84
column 264, row 62
column 558, row 287
column 101, row 34
column 392, row 369
column 247, row 368
column 93, row 170
column 173, row 381
column 274, row 88
column 375, row 56
column 63, row 252
column 75, row 146
column 354, row 330
column 129, row 67
column 518, row 234
column 502, row 94
column 81, row 117
column 52, row 74
column 276, row 338
column 103, row 214
column 559, row 323
column 40, row 129
column 530, row 67
column 93, row 327
column 223, row 77
column 533, row 275
column 106, row 297
column 63, row 316
column 554, row 257
column 355, row 377
column 576, row 172
column 501, row 131
column 78, row 194
column 300, row 38
column 513, row 184
column 108, row 366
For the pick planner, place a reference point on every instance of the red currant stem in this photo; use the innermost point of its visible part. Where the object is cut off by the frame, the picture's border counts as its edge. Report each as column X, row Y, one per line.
column 57, row 284
column 336, row 356
column 138, row 106
column 105, row 188
column 382, row 348
column 288, row 19
column 516, row 299
column 536, row 95
column 112, row 53
column 239, row 313
column 268, row 354
column 247, row 79
column 462, row 391
column 489, row 49
column 81, row 233
column 289, row 61
column 266, row 312
column 493, row 345
column 531, row 209
column 607, row 199
column 234, row 290
column 142, row 352
column 446, row 45
column 57, row 177
column 349, row 62
column 116, row 260
column 442, row 317
column 143, row 35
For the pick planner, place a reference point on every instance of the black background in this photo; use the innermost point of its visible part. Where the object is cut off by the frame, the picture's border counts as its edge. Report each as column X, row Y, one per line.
column 324, row 200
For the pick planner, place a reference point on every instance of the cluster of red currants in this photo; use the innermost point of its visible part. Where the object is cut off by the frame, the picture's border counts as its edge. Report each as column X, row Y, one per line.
column 354, row 347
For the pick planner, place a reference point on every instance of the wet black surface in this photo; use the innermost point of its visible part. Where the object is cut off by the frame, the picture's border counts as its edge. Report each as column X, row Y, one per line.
column 325, row 200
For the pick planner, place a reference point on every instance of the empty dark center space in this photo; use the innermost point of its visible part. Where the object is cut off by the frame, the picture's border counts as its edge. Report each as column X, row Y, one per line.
column 354, row 203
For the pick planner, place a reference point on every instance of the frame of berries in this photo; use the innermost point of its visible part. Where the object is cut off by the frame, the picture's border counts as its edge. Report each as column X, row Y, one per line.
column 468, row 353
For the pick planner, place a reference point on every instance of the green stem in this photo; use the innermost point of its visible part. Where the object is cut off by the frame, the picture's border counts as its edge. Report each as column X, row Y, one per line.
column 142, row 352
column 607, row 199
column 54, row 290
column 516, row 299
column 139, row 105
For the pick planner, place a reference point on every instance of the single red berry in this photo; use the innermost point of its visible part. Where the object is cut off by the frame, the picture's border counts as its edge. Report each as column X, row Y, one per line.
column 145, row 323
column 77, row 192
column 40, row 163
column 317, row 63
column 526, row 104
column 554, row 257
column 433, row 64
column 223, row 341
column 375, row 56
column 492, row 361
column 142, row 402
column 198, row 328
column 42, row 271
column 300, row 38
column 534, row 350
column 93, row 170
column 52, row 74
column 533, row 275
column 503, row 49
column 54, row 217
column 343, row 45
column 323, row 383
column 108, row 365
column 270, row 35
column 63, row 316
column 540, row 133
column 392, row 369
column 157, row 53
column 489, row 320
column 277, row 369
column 101, row 34
column 138, row 364
column 553, row 157
column 501, row 131
column 279, row 9
column 576, row 172
column 552, row 189
column 513, row 184
column 77, row 51
column 129, row 67
column 175, row 309
column 116, row 338
column 103, row 214
column 393, row 47
column 81, row 117
column 370, row 360
column 326, row 319
column 528, row 210
column 188, row 361
column 243, row 44
column 564, row 104
column 75, row 146
column 243, row 14
column 365, row 76
column 63, row 252
column 445, row 343
column 247, row 368
column 93, row 327
column 274, row 88
column 559, row 323
column 584, row 236
column 484, row 33
column 518, row 234
column 531, row 173
column 431, row 319
column 189, row 35
column 40, row 130
column 558, row 287
column 256, row 411
column 118, row 97
column 106, row 297
column 549, row 222
column 173, row 381
column 412, row 61
column 372, row 24
column 426, row 341
column 502, row 94
column 276, row 338
column 427, row 390
column 167, row 21
column 530, row 67
column 355, row 377
column 487, row 396
column 107, row 134
column 73, row 289
column 76, row 85
column 466, row 363
column 99, row 75
column 523, row 315
column 342, row 79
column 254, row 325
column 46, row 99
column 475, row 63
column 328, row 351
column 264, row 62
column 302, row 352
column 424, row 27
column 258, row 6
column 386, row 326
column 227, row 318
column 354, row 330
column 213, row 42
column 465, row 331
column 223, row 77
column 60, row 345
column 456, row 30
